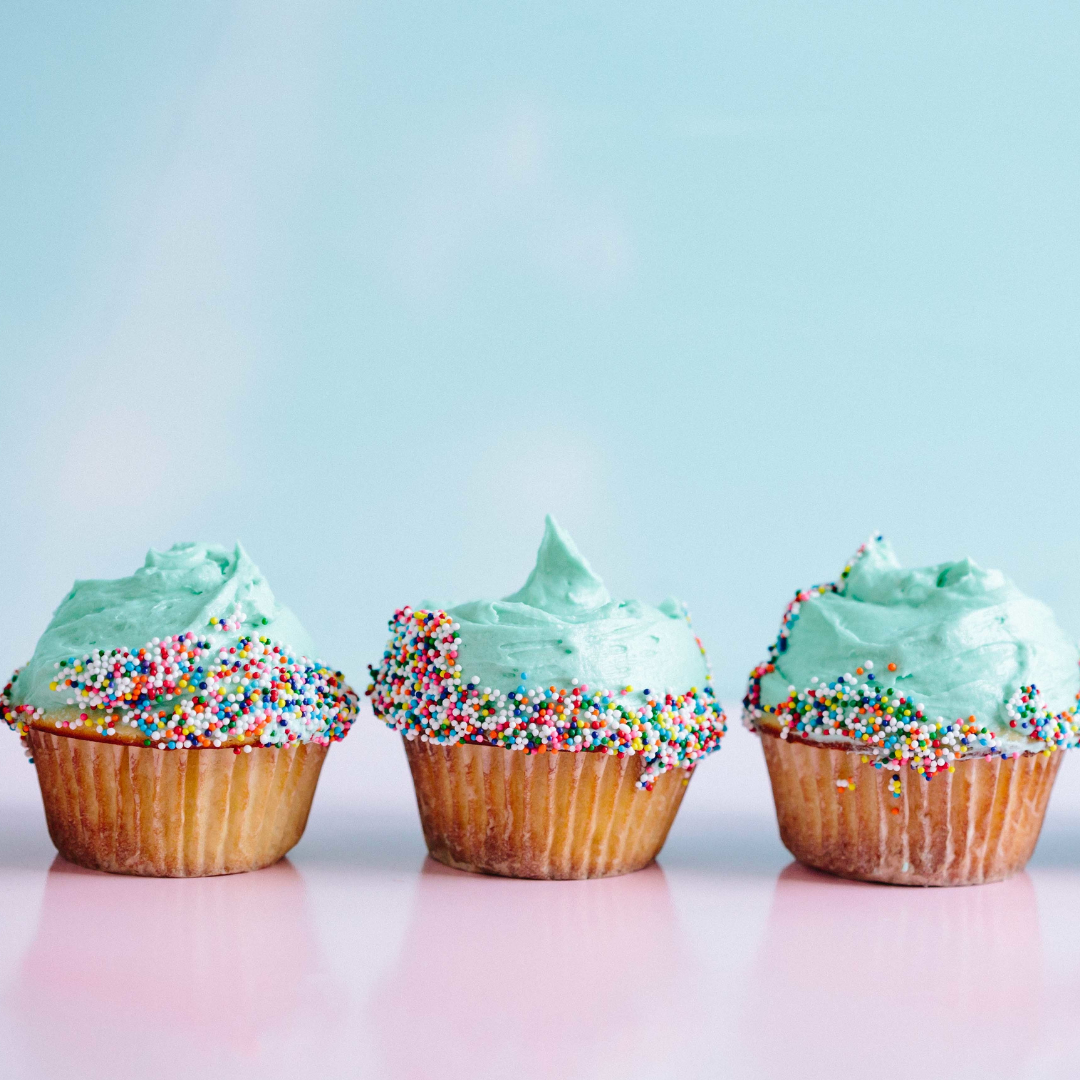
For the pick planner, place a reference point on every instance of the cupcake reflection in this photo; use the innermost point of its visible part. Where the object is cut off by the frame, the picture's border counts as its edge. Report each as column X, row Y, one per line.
column 146, row 976
column 879, row 981
column 503, row 977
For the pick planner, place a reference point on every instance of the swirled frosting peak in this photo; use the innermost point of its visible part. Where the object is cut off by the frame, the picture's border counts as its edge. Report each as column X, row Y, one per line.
column 562, row 626
column 562, row 582
column 954, row 650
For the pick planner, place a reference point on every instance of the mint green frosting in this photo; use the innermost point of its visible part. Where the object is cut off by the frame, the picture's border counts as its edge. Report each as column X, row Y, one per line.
column 963, row 639
column 176, row 591
column 563, row 627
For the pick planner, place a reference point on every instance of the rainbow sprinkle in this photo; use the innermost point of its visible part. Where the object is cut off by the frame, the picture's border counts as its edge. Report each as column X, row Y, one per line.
column 418, row 690
column 183, row 692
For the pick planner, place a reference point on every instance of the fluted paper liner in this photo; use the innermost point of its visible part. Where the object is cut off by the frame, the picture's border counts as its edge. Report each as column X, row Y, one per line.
column 975, row 825
column 549, row 815
column 173, row 813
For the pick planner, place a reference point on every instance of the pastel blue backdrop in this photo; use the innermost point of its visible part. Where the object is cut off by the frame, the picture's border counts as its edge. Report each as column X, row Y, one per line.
column 374, row 286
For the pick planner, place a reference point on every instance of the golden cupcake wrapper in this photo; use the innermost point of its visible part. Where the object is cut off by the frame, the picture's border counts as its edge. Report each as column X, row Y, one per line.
column 549, row 815
column 977, row 824
column 173, row 813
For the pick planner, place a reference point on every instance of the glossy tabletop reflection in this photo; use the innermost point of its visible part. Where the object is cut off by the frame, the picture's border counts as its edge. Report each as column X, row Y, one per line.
column 360, row 957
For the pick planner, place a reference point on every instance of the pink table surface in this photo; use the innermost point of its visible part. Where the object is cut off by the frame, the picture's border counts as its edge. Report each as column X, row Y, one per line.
column 360, row 957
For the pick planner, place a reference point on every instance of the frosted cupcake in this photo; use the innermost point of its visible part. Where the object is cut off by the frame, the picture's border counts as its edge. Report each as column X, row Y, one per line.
column 550, row 734
column 176, row 721
column 910, row 720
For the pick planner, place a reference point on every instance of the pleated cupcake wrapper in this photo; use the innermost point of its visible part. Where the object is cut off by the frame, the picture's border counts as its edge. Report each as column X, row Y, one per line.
column 173, row 813
column 550, row 815
column 975, row 825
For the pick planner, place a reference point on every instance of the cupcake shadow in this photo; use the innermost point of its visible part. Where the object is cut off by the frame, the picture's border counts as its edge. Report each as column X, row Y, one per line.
column 143, row 976
column 884, row 982
column 534, row 979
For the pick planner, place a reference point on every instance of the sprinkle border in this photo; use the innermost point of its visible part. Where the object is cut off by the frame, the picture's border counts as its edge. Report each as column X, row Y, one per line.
column 417, row 689
column 183, row 692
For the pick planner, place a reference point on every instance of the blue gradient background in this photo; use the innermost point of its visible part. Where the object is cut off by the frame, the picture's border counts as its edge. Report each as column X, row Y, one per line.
column 372, row 287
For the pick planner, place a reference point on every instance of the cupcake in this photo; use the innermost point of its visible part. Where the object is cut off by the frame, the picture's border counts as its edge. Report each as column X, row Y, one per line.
column 910, row 720
column 550, row 734
column 176, row 721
